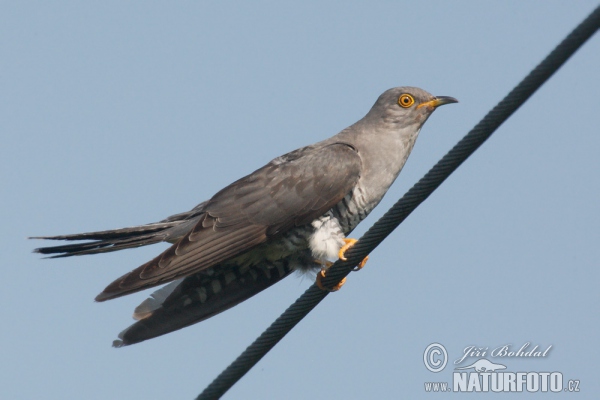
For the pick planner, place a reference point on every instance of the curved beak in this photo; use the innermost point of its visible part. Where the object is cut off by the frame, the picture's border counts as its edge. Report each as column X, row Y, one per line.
column 438, row 101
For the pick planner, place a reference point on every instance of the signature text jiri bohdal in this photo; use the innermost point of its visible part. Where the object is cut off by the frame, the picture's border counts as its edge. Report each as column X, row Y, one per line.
column 504, row 351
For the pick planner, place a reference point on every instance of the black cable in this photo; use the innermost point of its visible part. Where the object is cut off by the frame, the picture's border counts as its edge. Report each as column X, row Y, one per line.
column 409, row 202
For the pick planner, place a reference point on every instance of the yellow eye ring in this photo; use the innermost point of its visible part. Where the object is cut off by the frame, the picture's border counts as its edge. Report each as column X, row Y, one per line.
column 406, row 100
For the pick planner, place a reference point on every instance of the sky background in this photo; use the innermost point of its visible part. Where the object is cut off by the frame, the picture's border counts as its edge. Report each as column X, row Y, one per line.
column 115, row 114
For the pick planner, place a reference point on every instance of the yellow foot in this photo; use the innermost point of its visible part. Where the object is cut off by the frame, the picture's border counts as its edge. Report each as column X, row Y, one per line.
column 350, row 243
column 319, row 284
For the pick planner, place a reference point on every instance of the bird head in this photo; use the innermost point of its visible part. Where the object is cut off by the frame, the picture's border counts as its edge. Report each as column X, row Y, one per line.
column 406, row 106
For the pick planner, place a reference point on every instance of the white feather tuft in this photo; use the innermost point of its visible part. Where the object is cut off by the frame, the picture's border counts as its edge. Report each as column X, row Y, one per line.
column 327, row 240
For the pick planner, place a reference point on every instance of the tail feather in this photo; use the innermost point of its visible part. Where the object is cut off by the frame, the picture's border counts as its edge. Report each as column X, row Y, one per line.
column 100, row 246
column 106, row 241
column 169, row 230
column 113, row 233
column 198, row 297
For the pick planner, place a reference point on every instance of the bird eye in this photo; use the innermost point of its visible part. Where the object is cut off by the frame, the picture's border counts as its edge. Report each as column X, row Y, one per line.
column 406, row 100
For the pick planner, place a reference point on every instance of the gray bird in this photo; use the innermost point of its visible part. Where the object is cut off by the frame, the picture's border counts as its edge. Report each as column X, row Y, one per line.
column 292, row 214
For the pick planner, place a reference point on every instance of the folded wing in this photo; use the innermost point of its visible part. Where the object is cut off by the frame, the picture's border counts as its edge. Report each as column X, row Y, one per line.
column 290, row 191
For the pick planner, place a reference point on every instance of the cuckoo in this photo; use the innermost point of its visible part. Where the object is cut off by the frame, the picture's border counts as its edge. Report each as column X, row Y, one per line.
column 293, row 214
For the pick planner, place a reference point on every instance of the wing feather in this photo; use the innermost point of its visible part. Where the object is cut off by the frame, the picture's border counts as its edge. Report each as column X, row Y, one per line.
column 290, row 191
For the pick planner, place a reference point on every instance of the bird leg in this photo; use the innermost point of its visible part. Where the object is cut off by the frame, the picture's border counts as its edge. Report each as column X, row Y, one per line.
column 321, row 275
column 349, row 243
column 327, row 264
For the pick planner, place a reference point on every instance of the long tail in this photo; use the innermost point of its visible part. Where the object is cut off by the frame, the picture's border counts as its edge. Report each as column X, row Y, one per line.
column 105, row 241
column 169, row 230
column 195, row 298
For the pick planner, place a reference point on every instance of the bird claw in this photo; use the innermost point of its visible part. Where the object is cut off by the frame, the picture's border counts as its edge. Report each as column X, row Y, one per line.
column 348, row 243
column 341, row 254
column 319, row 284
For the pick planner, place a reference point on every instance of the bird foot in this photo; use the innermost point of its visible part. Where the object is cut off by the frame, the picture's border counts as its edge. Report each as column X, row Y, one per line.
column 319, row 284
column 349, row 243
column 326, row 264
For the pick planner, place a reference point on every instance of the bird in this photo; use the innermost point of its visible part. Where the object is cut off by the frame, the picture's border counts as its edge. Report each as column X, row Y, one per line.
column 293, row 214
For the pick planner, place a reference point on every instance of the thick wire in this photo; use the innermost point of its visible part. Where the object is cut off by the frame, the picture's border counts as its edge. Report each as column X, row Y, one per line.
column 408, row 203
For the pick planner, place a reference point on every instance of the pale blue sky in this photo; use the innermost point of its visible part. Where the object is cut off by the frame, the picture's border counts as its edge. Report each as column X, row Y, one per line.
column 115, row 114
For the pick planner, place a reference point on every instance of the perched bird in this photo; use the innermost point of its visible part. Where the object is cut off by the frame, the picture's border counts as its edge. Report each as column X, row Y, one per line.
column 292, row 214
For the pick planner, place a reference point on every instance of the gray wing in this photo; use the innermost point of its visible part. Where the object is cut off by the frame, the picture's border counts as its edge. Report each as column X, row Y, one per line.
column 290, row 191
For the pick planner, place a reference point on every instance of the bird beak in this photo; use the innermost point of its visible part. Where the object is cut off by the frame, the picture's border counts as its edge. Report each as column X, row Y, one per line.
column 438, row 101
